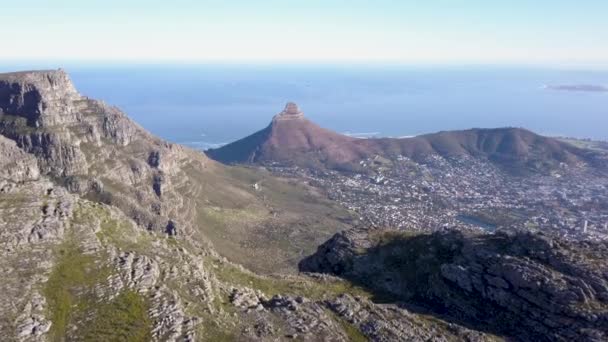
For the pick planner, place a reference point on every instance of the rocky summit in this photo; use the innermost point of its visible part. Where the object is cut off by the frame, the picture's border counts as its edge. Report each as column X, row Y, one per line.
column 291, row 111
column 108, row 233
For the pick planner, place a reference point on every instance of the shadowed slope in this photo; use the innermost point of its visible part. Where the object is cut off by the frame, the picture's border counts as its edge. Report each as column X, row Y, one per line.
column 527, row 286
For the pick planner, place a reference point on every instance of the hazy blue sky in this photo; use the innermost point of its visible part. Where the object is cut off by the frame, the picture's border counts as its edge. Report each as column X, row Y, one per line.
column 547, row 32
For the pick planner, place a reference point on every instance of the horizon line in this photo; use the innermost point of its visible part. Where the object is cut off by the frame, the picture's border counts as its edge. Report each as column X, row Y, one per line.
column 63, row 63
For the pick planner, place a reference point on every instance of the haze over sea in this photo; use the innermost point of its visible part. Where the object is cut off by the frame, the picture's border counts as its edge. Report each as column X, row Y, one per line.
column 207, row 105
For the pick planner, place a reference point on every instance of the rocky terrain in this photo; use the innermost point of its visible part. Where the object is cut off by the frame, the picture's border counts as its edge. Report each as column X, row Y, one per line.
column 524, row 285
column 108, row 233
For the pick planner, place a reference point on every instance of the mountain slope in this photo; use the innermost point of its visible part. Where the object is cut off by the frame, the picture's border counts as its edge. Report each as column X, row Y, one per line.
column 292, row 139
column 98, row 216
column 96, row 151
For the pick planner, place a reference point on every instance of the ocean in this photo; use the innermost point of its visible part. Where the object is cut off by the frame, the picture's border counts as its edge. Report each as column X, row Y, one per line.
column 205, row 106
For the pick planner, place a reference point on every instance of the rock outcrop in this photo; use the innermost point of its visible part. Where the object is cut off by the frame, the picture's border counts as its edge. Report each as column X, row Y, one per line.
column 16, row 165
column 44, row 98
column 394, row 323
column 524, row 285
column 291, row 111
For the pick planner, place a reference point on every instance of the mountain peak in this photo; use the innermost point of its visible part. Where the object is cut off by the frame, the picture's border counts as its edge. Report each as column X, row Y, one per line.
column 40, row 95
column 291, row 111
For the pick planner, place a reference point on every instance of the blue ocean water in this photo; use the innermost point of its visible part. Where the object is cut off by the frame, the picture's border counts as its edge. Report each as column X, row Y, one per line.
column 208, row 105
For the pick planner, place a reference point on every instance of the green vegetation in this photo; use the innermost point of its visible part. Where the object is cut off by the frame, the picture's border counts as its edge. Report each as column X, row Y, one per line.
column 125, row 318
column 385, row 237
column 16, row 200
column 114, row 231
column 294, row 285
column 122, row 234
column 70, row 290
column 213, row 331
column 353, row 334
column 86, row 213
column 586, row 143
column 74, row 272
column 266, row 229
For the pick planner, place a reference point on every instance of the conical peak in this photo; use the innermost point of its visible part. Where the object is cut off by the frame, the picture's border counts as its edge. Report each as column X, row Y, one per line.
column 291, row 111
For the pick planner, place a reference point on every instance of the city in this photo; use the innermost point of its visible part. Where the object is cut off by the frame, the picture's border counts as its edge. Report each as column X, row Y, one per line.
column 465, row 193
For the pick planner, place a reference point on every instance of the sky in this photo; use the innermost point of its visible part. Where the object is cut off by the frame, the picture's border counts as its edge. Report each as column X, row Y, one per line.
column 531, row 32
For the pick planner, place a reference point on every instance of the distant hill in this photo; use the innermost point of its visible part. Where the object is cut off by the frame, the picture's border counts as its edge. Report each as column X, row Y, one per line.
column 292, row 139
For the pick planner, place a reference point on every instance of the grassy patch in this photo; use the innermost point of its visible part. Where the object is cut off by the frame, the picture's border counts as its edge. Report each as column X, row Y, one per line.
column 290, row 285
column 70, row 288
column 125, row 318
column 113, row 231
column 353, row 334
column 86, row 213
column 267, row 230
column 74, row 272
column 16, row 200
column 213, row 331
column 122, row 234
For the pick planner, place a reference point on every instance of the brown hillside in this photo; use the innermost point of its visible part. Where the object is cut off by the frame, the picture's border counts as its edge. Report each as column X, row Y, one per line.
column 294, row 140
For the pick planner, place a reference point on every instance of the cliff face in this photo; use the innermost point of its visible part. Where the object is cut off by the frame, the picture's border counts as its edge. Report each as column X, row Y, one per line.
column 75, row 139
column 16, row 165
column 44, row 98
column 94, row 150
column 46, row 116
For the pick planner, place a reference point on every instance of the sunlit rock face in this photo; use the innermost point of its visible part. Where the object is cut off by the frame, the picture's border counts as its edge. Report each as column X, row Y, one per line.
column 84, row 145
column 16, row 165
